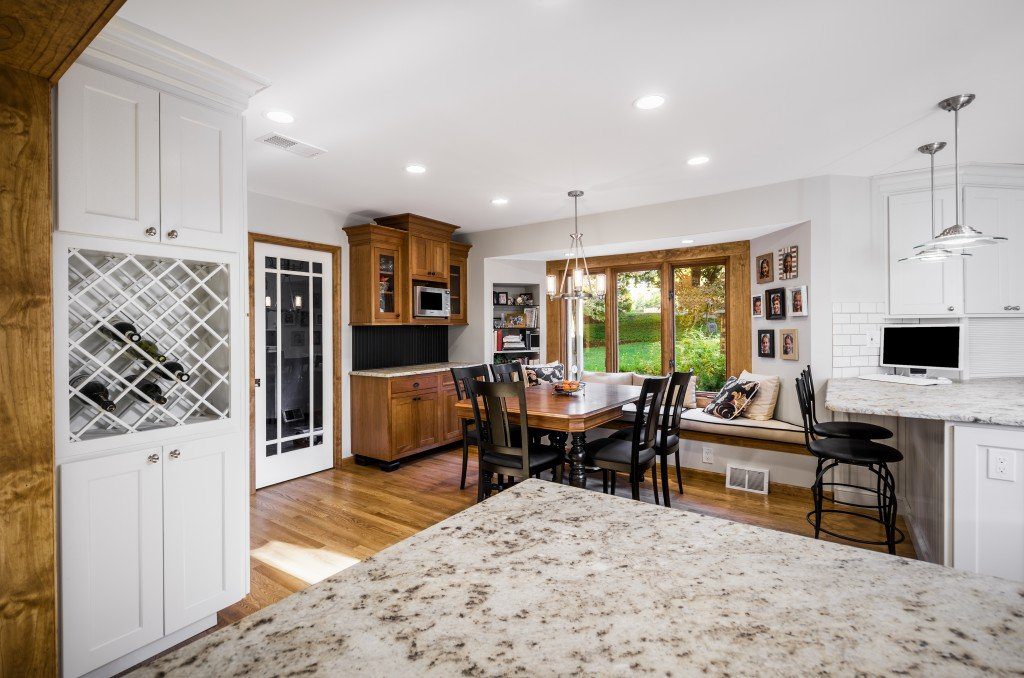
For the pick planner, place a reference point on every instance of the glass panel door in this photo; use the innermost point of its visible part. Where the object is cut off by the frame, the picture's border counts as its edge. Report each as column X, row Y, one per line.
column 293, row 352
column 638, row 312
column 700, row 323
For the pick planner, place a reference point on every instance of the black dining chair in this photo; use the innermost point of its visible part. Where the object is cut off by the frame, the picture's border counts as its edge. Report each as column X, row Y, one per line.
column 470, row 434
column 506, row 373
column 841, row 429
column 505, row 448
column 875, row 457
column 666, row 440
column 636, row 454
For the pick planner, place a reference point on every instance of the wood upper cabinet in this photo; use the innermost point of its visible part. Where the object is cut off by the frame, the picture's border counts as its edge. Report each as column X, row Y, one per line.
column 428, row 258
column 458, row 268
column 376, row 275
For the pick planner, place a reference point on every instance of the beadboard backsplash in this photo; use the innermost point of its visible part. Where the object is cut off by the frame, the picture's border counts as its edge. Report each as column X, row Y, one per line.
column 398, row 345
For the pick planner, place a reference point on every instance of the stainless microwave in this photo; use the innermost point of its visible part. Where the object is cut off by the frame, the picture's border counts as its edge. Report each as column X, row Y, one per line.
column 431, row 302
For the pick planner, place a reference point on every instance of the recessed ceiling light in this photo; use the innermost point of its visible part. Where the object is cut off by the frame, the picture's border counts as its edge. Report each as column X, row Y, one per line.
column 649, row 101
column 499, row 201
column 279, row 116
column 415, row 169
column 687, row 241
column 698, row 160
column 568, row 254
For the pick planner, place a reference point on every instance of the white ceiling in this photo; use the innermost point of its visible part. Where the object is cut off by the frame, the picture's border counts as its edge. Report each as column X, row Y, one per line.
column 530, row 98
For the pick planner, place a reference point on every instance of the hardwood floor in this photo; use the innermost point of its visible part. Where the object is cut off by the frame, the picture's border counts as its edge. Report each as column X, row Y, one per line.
column 304, row 530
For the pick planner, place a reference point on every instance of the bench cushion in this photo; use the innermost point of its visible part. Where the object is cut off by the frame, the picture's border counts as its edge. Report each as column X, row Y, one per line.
column 773, row 429
column 618, row 378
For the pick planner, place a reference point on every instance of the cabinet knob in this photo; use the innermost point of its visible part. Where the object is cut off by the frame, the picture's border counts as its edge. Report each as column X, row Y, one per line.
column 951, row 308
column 153, row 458
column 151, row 231
column 1015, row 308
column 172, row 234
column 175, row 454
column 415, row 384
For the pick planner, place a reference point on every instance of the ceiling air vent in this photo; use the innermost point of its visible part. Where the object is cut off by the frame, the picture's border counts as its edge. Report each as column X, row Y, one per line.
column 291, row 145
column 749, row 479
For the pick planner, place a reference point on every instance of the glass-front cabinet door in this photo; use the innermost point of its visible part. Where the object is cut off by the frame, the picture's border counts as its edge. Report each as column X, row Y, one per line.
column 388, row 292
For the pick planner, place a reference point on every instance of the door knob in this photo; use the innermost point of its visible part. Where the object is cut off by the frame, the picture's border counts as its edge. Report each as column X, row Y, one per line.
column 172, row 234
column 175, row 454
column 151, row 231
column 153, row 458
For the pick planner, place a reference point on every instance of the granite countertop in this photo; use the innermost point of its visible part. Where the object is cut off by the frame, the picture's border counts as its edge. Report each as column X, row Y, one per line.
column 408, row 370
column 546, row 579
column 982, row 401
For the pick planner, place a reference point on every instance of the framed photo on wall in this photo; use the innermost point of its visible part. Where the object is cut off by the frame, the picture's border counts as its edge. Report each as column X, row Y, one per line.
column 790, row 346
column 765, row 269
column 798, row 300
column 775, row 303
column 757, row 306
column 766, row 343
column 789, row 262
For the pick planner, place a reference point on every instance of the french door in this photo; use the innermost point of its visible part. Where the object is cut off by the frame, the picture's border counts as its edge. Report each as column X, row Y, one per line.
column 293, row 355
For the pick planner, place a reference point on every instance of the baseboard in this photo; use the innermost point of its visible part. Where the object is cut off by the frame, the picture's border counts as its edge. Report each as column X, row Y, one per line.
column 145, row 652
column 716, row 477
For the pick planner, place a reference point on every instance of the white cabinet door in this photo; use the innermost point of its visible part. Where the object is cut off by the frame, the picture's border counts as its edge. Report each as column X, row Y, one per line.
column 108, row 156
column 111, row 557
column 200, row 175
column 918, row 288
column 988, row 500
column 994, row 275
column 204, row 528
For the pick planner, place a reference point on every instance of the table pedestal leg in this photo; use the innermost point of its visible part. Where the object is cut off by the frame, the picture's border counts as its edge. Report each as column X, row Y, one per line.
column 577, row 471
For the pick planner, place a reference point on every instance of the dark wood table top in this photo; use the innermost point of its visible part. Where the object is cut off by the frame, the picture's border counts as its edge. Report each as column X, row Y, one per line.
column 600, row 404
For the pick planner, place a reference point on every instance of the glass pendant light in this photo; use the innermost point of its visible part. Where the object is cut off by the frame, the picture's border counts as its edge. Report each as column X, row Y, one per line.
column 931, row 252
column 576, row 281
column 958, row 236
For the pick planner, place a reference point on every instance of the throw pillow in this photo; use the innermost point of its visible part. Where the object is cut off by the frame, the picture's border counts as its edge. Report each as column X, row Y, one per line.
column 624, row 378
column 732, row 399
column 547, row 373
column 690, row 395
column 762, row 405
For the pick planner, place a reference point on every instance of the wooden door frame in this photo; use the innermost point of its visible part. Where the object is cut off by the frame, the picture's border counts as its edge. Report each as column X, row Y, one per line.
column 335, row 252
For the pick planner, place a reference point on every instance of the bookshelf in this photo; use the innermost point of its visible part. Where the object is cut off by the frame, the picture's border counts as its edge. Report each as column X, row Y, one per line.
column 516, row 316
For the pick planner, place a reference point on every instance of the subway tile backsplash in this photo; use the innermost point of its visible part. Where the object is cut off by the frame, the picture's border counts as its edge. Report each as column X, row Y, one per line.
column 852, row 321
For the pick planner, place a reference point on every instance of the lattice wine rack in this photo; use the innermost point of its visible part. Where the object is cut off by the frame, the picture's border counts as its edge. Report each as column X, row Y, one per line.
column 181, row 306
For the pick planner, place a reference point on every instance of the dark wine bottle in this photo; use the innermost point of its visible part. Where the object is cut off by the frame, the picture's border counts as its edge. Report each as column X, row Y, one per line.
column 149, row 391
column 146, row 347
column 176, row 369
column 125, row 328
column 93, row 391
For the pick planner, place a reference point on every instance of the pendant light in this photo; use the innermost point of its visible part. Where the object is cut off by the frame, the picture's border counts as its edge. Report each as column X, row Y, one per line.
column 931, row 252
column 576, row 283
column 959, row 236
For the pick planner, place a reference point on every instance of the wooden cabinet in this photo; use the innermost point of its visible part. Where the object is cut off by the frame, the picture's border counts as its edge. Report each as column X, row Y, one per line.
column 994, row 276
column 140, row 164
column 458, row 268
column 428, row 258
column 399, row 416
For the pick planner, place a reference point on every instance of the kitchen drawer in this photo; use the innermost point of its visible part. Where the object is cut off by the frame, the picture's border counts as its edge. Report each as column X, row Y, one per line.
column 416, row 382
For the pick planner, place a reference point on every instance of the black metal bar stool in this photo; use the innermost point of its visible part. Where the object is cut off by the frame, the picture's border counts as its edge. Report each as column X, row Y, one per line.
column 875, row 457
column 841, row 429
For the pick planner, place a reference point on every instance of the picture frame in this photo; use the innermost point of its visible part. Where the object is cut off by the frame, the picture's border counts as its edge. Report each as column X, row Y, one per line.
column 502, row 299
column 765, row 269
column 798, row 301
column 287, row 317
column 766, row 343
column 757, row 306
column 775, row 303
column 789, row 344
column 789, row 262
column 298, row 338
column 513, row 319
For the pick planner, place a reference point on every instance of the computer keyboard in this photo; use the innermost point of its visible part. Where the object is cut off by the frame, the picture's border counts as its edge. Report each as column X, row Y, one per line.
column 900, row 379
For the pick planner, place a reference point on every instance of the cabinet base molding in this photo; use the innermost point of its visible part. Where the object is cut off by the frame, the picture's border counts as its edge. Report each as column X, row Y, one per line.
column 388, row 466
column 156, row 647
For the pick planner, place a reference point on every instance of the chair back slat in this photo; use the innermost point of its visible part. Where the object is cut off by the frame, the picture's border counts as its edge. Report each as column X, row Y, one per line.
column 672, row 413
column 809, row 388
column 802, row 394
column 507, row 373
column 645, row 426
column 493, row 398
column 473, row 372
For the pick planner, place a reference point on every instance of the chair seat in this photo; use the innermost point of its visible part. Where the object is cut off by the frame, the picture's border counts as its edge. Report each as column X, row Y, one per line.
column 659, row 443
column 541, row 457
column 852, row 429
column 615, row 451
column 853, row 451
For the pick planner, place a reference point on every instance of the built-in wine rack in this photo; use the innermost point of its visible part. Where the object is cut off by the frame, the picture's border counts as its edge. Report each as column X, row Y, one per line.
column 179, row 305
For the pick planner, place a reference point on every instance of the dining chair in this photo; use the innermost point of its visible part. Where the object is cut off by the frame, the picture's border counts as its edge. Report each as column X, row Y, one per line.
column 470, row 435
column 636, row 454
column 506, row 449
column 666, row 440
column 505, row 373
column 840, row 429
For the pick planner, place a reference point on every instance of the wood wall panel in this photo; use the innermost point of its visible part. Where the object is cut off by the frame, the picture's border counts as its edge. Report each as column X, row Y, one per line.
column 27, row 542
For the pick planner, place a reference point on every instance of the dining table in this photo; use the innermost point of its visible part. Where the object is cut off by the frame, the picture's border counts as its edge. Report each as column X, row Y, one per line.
column 571, row 415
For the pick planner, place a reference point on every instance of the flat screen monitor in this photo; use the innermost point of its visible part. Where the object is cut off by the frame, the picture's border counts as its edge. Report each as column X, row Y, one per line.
column 921, row 346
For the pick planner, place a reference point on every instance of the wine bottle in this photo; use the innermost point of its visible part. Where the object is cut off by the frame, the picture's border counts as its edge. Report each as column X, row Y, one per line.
column 149, row 391
column 176, row 369
column 125, row 328
column 93, row 391
column 146, row 347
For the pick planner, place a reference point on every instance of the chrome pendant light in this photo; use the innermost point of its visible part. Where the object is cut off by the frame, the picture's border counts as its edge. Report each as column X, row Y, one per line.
column 958, row 236
column 576, row 282
column 932, row 252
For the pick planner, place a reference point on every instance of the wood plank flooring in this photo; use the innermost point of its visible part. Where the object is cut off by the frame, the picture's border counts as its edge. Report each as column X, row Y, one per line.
column 306, row 529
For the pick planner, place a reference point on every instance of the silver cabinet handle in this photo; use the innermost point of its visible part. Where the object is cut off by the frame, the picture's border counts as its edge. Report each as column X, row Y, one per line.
column 1007, row 308
column 172, row 234
column 951, row 308
column 153, row 458
column 1016, row 308
column 175, row 454
column 151, row 231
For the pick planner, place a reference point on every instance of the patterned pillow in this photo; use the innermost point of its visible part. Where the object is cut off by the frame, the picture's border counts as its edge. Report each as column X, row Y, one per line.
column 546, row 373
column 732, row 399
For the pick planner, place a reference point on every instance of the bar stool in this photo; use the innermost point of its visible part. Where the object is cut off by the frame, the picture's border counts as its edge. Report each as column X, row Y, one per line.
column 875, row 457
column 841, row 429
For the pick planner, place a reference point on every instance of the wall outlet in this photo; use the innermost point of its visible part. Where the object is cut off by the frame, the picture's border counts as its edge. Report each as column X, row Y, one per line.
column 1000, row 464
column 707, row 455
column 873, row 336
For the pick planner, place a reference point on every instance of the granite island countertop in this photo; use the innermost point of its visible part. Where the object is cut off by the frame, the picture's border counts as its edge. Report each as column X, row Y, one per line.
column 981, row 401
column 408, row 370
column 546, row 579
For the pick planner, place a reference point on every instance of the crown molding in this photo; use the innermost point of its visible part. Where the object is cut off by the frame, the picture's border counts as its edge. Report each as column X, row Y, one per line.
column 131, row 51
column 971, row 174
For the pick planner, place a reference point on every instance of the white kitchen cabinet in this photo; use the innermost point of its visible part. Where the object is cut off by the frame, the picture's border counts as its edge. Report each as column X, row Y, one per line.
column 988, row 500
column 204, row 538
column 918, row 288
column 111, row 556
column 108, row 165
column 993, row 275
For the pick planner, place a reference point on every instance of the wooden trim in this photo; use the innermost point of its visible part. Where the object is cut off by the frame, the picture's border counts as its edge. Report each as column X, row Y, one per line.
column 335, row 252
column 741, row 441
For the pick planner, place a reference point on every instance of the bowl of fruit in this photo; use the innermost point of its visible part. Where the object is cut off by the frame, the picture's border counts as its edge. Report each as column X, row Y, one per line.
column 569, row 387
